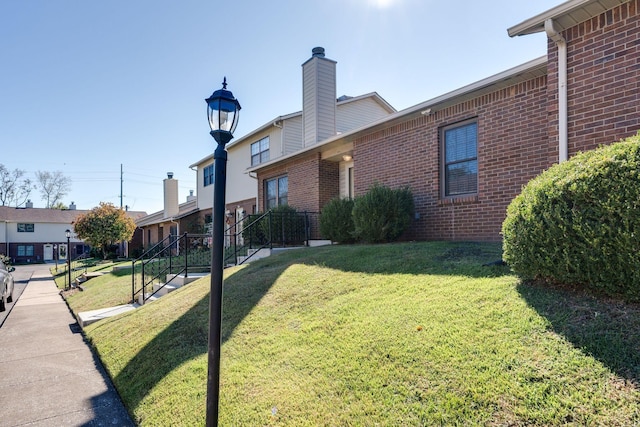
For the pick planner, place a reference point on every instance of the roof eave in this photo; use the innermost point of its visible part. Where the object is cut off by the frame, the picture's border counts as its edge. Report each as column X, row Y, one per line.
column 582, row 9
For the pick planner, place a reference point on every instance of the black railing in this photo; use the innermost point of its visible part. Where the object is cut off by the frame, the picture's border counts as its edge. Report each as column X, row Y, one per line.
column 189, row 253
column 169, row 258
column 268, row 230
column 78, row 267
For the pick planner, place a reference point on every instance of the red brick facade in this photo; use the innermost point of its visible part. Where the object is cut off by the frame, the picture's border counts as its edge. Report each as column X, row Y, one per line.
column 517, row 135
column 603, row 61
column 312, row 182
column 511, row 130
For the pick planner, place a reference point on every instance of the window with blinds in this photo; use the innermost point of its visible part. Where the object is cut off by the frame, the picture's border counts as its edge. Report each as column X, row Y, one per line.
column 460, row 159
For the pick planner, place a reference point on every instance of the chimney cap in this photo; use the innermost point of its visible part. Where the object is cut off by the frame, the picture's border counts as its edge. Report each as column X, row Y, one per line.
column 170, row 175
column 317, row 52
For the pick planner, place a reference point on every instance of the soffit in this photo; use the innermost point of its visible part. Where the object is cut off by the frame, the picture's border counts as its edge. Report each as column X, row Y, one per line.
column 565, row 15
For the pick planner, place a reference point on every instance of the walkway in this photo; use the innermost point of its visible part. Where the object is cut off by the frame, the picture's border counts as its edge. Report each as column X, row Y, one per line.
column 48, row 373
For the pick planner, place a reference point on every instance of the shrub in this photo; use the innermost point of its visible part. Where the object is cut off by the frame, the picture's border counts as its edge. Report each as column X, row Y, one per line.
column 382, row 214
column 579, row 222
column 336, row 221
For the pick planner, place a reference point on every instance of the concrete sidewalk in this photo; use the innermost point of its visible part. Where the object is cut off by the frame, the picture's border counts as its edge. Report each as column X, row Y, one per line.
column 48, row 373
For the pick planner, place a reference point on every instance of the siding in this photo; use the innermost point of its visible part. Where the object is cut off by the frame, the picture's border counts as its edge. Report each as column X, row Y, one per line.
column 352, row 115
column 292, row 130
column 319, row 100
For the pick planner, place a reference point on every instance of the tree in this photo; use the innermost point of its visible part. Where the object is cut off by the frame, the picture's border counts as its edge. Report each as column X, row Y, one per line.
column 104, row 226
column 53, row 186
column 14, row 190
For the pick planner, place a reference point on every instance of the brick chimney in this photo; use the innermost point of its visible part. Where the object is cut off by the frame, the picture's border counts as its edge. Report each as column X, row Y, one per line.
column 318, row 98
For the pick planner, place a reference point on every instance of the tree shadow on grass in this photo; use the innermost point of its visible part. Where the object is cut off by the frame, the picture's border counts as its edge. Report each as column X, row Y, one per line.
column 186, row 337
column 606, row 329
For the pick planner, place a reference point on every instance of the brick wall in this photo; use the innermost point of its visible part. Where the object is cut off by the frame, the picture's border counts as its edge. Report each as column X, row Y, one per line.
column 513, row 147
column 312, row 182
column 603, row 87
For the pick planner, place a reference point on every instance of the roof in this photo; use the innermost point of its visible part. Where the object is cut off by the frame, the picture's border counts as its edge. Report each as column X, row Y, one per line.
column 184, row 209
column 341, row 101
column 565, row 15
column 55, row 216
column 527, row 71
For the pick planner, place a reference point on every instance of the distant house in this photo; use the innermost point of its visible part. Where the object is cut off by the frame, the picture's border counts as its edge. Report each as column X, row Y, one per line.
column 32, row 235
column 466, row 154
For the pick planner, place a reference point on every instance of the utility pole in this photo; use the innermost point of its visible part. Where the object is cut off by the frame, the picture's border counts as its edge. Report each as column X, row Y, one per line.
column 121, row 180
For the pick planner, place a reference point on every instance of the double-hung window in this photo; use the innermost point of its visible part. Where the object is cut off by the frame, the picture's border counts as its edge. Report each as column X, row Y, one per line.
column 460, row 159
column 25, row 250
column 208, row 175
column 276, row 192
column 260, row 151
column 25, row 228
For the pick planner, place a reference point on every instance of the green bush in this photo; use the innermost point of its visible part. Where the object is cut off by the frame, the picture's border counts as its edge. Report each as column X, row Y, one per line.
column 579, row 222
column 382, row 214
column 336, row 221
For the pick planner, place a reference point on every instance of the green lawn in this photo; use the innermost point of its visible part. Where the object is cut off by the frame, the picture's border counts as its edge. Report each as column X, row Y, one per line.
column 405, row 334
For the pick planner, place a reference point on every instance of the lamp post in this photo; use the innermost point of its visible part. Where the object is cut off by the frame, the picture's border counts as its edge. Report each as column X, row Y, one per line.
column 222, row 110
column 68, row 234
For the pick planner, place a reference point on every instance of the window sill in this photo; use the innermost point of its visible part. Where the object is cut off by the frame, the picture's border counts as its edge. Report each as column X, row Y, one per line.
column 459, row 200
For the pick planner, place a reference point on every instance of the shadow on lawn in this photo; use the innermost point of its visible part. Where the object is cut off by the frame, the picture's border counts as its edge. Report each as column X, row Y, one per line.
column 605, row 329
column 187, row 336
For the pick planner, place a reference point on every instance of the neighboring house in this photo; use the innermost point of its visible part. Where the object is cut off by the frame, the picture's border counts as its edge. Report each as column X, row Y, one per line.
column 323, row 116
column 29, row 234
column 466, row 154
column 175, row 219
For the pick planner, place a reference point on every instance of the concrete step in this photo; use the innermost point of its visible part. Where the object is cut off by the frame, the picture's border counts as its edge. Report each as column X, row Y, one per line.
column 161, row 289
column 88, row 317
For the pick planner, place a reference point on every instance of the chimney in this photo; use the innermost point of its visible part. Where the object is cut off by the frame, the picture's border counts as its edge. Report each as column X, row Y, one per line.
column 191, row 197
column 170, row 196
column 72, row 206
column 29, row 204
column 318, row 98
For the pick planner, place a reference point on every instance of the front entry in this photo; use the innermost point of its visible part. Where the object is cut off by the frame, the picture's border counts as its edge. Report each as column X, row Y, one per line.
column 48, row 252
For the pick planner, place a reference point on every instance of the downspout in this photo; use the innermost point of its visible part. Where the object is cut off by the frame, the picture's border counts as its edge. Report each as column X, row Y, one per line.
column 563, row 135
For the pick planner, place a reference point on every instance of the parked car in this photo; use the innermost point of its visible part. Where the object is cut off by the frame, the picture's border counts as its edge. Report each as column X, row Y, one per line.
column 6, row 286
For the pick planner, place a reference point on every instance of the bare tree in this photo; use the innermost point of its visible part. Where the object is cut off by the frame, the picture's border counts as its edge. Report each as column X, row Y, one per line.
column 14, row 189
column 53, row 186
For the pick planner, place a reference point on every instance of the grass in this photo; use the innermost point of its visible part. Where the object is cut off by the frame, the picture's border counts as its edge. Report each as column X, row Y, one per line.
column 403, row 334
column 109, row 290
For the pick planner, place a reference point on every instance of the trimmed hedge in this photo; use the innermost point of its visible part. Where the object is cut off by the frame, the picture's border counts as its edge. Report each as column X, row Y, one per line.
column 578, row 222
column 336, row 221
column 382, row 214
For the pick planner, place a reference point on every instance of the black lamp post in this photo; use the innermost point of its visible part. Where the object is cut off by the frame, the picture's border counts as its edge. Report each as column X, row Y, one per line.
column 68, row 234
column 223, row 110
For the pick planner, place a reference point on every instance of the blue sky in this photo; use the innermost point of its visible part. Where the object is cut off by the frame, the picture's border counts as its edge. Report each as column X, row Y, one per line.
column 86, row 86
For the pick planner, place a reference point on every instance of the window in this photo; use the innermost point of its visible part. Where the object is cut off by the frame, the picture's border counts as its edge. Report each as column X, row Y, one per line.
column 25, row 228
column 25, row 250
column 260, row 151
column 208, row 175
column 276, row 192
column 460, row 159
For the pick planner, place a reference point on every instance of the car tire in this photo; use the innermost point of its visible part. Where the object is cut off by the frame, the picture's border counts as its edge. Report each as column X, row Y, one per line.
column 10, row 297
column 3, row 305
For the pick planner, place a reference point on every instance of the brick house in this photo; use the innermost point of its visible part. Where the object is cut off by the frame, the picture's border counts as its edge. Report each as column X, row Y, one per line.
column 466, row 154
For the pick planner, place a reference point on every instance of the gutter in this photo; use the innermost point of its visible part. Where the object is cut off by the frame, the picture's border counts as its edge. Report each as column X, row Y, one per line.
column 563, row 135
